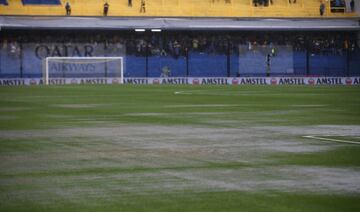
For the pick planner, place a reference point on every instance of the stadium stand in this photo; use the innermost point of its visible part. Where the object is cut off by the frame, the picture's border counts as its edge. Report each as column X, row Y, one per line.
column 210, row 46
column 178, row 8
column 194, row 54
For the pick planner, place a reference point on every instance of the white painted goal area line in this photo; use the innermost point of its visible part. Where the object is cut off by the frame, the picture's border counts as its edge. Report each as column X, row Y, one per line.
column 331, row 139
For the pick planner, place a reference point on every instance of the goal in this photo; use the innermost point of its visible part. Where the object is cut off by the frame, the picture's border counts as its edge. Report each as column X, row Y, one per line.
column 83, row 67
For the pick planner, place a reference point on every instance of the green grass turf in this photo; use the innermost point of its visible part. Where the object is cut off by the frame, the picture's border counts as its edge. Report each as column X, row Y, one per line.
column 215, row 201
column 347, row 156
column 62, row 107
column 116, row 102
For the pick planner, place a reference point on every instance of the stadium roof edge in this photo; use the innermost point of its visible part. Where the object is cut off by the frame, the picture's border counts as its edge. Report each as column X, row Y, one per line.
column 128, row 23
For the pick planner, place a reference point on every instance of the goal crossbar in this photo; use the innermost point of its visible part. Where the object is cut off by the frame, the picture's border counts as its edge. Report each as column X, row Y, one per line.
column 85, row 59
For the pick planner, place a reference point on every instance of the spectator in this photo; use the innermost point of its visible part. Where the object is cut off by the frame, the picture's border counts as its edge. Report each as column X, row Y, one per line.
column 268, row 65
column 130, row 3
column 142, row 7
column 13, row 47
column 165, row 72
column 68, row 8
column 273, row 52
column 106, row 9
column 352, row 5
column 322, row 8
column 195, row 44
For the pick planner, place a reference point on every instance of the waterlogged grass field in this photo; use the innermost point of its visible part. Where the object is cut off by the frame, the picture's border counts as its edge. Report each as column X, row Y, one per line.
column 179, row 148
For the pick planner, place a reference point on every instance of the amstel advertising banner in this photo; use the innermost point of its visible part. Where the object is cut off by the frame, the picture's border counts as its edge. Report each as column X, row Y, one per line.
column 189, row 81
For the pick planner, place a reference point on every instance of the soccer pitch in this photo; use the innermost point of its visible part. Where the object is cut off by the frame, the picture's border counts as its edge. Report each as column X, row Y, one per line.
column 179, row 148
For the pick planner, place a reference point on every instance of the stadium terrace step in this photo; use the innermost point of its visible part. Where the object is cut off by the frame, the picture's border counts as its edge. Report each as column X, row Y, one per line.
column 174, row 8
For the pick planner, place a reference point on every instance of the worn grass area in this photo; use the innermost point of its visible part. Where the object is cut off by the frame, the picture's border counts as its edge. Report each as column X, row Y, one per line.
column 210, row 201
column 179, row 148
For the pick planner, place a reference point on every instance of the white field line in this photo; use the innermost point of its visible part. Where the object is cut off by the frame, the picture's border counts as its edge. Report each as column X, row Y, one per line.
column 203, row 105
column 308, row 105
column 241, row 93
column 331, row 139
column 237, row 105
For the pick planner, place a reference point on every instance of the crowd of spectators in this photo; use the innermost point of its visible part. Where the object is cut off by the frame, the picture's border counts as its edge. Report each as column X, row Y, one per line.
column 12, row 46
column 337, row 5
column 335, row 45
column 340, row 6
column 180, row 44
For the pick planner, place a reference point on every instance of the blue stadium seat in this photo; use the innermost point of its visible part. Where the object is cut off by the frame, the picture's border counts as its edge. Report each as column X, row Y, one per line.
column 9, row 64
column 354, row 64
column 55, row 2
column 32, row 66
column 332, row 65
column 234, row 65
column 299, row 63
column 135, row 66
column 4, row 2
column 207, row 65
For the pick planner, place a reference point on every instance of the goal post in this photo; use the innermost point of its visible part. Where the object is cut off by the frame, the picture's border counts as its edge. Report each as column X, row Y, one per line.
column 83, row 67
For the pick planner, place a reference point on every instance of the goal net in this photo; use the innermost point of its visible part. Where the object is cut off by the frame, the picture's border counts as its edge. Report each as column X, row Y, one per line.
column 82, row 67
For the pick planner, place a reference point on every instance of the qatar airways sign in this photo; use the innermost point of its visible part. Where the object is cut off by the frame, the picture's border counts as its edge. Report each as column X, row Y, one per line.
column 271, row 81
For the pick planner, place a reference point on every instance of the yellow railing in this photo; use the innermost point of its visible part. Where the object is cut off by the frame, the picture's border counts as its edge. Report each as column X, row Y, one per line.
column 176, row 8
